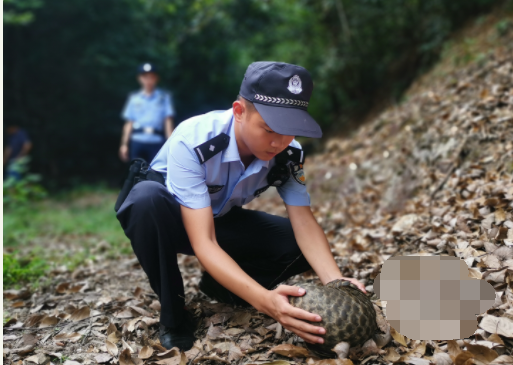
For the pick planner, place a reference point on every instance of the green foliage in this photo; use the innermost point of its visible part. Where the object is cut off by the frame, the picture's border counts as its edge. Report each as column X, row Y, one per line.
column 18, row 271
column 70, row 70
column 503, row 26
column 19, row 192
column 20, row 12
column 82, row 212
column 82, row 221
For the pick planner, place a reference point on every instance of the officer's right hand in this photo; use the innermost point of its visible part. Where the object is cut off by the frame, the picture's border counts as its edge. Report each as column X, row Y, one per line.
column 123, row 153
column 277, row 306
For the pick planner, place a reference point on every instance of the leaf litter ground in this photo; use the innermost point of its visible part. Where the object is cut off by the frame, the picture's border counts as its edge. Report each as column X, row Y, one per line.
column 432, row 176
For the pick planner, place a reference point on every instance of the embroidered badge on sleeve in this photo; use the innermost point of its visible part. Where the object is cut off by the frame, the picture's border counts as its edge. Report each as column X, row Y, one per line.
column 298, row 173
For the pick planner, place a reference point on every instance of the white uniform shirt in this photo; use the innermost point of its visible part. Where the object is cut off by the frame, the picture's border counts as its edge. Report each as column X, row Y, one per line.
column 224, row 174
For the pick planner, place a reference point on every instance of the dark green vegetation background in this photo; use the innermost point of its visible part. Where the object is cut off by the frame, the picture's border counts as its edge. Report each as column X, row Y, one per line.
column 69, row 65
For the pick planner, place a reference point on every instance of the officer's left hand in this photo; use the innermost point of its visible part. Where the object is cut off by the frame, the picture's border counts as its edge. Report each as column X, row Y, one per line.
column 355, row 282
column 123, row 153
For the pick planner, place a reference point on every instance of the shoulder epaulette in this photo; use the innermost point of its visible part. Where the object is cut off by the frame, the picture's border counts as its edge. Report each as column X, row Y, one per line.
column 292, row 154
column 212, row 147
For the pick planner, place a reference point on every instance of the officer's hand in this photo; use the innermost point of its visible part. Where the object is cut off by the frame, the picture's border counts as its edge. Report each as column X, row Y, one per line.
column 292, row 318
column 123, row 153
column 355, row 282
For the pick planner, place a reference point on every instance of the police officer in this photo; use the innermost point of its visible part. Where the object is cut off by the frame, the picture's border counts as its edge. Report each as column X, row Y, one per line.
column 148, row 116
column 212, row 165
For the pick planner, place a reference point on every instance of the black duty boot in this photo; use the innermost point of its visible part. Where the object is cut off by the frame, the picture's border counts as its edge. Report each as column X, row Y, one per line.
column 181, row 337
column 216, row 291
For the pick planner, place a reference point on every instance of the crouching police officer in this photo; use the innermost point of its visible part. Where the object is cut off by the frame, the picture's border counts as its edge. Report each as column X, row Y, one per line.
column 211, row 166
column 148, row 116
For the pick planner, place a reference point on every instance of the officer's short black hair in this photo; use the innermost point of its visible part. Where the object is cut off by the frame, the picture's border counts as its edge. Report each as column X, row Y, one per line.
column 247, row 103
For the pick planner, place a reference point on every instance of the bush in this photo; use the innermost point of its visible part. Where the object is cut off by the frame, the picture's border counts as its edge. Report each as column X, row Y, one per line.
column 19, row 192
column 18, row 271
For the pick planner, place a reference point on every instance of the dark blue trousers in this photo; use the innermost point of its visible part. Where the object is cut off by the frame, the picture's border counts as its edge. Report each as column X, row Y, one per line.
column 147, row 151
column 262, row 244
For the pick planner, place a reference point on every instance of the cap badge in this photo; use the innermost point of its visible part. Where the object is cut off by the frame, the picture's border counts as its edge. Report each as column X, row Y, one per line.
column 295, row 85
column 147, row 67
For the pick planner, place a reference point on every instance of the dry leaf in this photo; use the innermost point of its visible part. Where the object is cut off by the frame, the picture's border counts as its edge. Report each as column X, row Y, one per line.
column 234, row 353
column 102, row 358
column 442, row 358
column 216, row 332
column 169, row 353
column 495, row 338
column 23, row 350
column 126, row 346
column 112, row 328
column 290, row 350
column 16, row 294
column 111, row 348
column 463, row 357
column 500, row 325
column 37, row 359
column 391, row 355
column 209, row 358
column 49, row 321
column 341, row 349
column 72, row 337
column 240, row 319
column 139, row 311
column 125, row 358
column 397, row 336
column 180, row 359
column 502, row 360
column 145, row 352
column 30, row 339
column 482, row 353
column 80, row 314
column 114, row 337
column 404, row 223
column 34, row 320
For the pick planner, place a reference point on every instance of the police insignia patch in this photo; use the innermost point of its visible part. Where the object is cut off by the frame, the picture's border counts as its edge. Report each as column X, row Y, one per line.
column 261, row 190
column 298, row 174
column 295, row 85
column 212, row 189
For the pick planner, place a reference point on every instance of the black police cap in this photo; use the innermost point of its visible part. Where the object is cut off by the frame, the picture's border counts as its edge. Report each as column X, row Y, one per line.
column 281, row 93
column 146, row 68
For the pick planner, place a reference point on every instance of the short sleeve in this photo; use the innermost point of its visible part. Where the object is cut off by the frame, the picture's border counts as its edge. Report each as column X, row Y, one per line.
column 185, row 175
column 292, row 192
column 169, row 107
column 128, row 110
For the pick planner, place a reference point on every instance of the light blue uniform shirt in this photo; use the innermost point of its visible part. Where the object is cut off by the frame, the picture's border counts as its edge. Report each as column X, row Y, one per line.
column 148, row 111
column 188, row 180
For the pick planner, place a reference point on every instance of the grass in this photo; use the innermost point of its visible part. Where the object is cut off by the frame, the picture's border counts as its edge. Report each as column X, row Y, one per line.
column 68, row 229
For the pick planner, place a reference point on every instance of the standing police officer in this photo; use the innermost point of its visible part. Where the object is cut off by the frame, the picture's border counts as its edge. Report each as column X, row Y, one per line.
column 148, row 116
column 211, row 166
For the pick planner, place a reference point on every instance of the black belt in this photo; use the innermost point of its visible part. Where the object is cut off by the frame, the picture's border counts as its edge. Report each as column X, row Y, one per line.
column 148, row 130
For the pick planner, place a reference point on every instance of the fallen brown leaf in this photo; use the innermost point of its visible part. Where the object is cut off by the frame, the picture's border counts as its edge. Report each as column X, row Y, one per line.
column 145, row 352
column 125, row 358
column 80, row 314
column 482, row 353
column 111, row 348
column 37, row 359
column 290, row 350
column 397, row 336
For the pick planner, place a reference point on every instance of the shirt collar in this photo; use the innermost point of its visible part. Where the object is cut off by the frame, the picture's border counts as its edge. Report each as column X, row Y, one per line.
column 151, row 96
column 231, row 153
